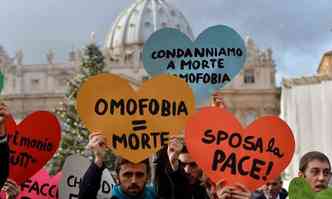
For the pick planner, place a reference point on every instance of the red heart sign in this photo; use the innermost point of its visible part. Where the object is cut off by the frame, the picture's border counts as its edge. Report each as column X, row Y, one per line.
column 248, row 156
column 32, row 143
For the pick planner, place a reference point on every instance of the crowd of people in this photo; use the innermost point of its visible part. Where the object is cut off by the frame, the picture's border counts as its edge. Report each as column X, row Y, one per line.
column 177, row 176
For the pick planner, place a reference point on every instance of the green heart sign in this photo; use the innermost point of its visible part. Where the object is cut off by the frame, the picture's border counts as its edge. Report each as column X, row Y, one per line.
column 300, row 189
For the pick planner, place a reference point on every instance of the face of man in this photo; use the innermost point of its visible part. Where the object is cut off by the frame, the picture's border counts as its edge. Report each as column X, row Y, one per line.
column 272, row 188
column 132, row 178
column 317, row 174
column 190, row 167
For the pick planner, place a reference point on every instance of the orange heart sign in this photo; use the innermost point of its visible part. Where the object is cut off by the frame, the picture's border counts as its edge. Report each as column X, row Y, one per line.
column 232, row 154
column 136, row 124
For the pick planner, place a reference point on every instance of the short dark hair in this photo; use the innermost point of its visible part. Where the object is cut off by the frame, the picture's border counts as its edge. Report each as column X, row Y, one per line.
column 121, row 161
column 310, row 156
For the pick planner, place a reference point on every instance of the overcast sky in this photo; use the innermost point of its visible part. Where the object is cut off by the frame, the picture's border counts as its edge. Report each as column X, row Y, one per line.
column 298, row 31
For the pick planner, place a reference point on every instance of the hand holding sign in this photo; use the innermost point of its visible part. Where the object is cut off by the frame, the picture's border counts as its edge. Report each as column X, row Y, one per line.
column 173, row 150
column 209, row 63
column 98, row 145
column 32, row 143
column 248, row 156
column 300, row 189
column 136, row 124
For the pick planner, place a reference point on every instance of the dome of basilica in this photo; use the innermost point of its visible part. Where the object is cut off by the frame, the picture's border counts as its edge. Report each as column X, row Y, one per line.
column 135, row 25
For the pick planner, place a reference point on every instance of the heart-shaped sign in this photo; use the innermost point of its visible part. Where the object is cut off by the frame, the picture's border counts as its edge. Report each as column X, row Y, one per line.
column 248, row 156
column 32, row 143
column 300, row 189
column 209, row 63
column 73, row 171
column 137, row 124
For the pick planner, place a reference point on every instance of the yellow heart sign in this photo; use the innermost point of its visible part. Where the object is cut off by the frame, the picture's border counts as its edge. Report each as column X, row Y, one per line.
column 136, row 124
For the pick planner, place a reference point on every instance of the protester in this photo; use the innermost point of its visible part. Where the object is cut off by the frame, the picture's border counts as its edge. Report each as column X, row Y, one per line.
column 4, row 149
column 315, row 167
column 177, row 175
column 271, row 190
column 132, row 178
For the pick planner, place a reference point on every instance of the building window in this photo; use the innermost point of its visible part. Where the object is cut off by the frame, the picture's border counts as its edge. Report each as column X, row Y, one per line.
column 249, row 76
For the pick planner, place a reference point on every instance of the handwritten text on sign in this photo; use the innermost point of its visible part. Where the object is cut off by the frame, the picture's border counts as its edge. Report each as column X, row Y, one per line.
column 208, row 63
column 137, row 124
column 249, row 156
column 32, row 143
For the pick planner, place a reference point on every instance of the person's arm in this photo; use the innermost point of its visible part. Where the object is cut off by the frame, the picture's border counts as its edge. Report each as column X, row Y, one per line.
column 4, row 149
column 90, row 184
column 4, row 161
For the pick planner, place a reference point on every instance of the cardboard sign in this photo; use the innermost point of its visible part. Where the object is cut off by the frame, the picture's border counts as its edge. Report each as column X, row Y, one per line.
column 208, row 64
column 300, row 189
column 106, row 185
column 137, row 124
column 41, row 186
column 73, row 172
column 248, row 156
column 32, row 144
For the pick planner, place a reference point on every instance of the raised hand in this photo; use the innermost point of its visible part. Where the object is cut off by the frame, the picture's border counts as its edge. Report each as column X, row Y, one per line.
column 3, row 114
column 98, row 145
column 173, row 151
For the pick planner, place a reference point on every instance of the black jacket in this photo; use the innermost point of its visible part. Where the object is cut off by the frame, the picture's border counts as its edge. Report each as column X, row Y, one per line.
column 90, row 182
column 4, row 163
column 174, row 184
column 260, row 195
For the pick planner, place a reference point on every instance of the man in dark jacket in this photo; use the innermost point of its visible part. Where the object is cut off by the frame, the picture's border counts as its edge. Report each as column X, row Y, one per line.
column 132, row 177
column 177, row 175
column 4, row 149
column 271, row 190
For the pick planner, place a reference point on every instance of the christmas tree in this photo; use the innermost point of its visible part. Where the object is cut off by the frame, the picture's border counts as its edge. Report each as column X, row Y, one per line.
column 74, row 134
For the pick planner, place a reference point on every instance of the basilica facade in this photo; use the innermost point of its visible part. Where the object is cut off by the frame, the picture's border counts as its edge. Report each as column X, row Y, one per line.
column 32, row 87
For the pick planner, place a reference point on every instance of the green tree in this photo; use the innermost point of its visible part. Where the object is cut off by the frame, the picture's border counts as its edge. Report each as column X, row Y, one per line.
column 74, row 134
